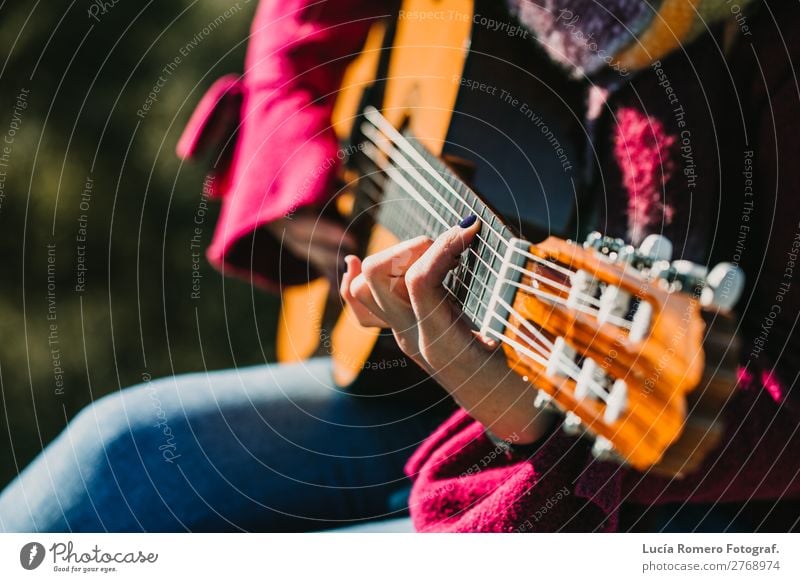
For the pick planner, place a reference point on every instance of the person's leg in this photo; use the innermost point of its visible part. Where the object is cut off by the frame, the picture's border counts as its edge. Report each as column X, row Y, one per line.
column 270, row 448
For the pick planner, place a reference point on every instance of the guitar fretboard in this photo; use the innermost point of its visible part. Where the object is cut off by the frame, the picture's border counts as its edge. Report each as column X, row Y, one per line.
column 413, row 195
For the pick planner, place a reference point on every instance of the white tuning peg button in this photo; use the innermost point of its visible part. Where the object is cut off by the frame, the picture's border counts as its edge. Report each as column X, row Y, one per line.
column 586, row 378
column 689, row 269
column 617, row 402
column 724, row 287
column 582, row 288
column 641, row 321
column 571, row 424
column 543, row 400
column 657, row 247
column 561, row 358
column 613, row 302
column 603, row 450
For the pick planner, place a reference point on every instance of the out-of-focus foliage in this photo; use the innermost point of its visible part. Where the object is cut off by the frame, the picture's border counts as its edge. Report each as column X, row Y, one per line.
column 83, row 70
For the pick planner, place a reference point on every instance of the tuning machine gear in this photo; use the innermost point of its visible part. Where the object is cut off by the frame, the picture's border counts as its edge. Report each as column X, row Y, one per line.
column 719, row 288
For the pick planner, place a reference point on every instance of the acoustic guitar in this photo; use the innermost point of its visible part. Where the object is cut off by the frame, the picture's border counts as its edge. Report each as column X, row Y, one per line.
column 448, row 99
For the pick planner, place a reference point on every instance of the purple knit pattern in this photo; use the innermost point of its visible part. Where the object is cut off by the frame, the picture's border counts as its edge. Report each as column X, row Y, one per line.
column 584, row 34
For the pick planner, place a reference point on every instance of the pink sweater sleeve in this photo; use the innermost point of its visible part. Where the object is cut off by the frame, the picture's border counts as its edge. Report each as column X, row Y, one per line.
column 272, row 125
column 465, row 482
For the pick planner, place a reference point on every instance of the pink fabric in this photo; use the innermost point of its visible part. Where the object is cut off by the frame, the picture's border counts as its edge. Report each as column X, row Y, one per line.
column 647, row 158
column 463, row 484
column 211, row 125
column 211, row 117
column 462, row 480
column 283, row 156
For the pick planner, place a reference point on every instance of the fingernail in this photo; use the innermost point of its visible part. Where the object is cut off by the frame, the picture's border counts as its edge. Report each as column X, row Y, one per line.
column 468, row 221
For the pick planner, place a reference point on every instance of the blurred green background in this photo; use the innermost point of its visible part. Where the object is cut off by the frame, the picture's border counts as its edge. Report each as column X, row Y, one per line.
column 84, row 68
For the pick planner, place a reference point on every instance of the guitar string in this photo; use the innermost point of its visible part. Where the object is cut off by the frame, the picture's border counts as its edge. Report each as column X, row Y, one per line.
column 615, row 319
column 545, row 352
column 384, row 125
column 370, row 134
column 567, row 366
column 611, row 318
column 555, row 284
column 381, row 123
column 544, row 357
column 374, row 137
column 482, row 285
column 403, row 184
column 589, row 299
column 401, row 180
column 540, row 336
column 419, row 220
column 398, row 157
column 482, row 303
column 376, row 118
column 547, row 344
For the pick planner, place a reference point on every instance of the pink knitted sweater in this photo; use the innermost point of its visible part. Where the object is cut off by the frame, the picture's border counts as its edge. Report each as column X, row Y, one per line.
column 714, row 170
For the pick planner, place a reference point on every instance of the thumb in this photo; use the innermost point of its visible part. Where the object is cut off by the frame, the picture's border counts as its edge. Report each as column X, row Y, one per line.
column 424, row 278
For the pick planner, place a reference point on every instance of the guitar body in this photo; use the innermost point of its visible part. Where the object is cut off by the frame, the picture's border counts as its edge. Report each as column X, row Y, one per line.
column 487, row 102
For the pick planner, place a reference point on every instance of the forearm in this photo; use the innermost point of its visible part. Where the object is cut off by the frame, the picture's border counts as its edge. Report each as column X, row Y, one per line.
column 497, row 397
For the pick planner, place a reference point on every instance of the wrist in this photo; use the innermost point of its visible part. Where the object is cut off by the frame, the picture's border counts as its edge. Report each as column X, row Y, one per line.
column 539, row 428
column 526, row 443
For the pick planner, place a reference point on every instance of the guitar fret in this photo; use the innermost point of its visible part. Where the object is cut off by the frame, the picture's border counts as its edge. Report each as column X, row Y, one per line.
column 486, row 263
column 402, row 213
column 495, row 262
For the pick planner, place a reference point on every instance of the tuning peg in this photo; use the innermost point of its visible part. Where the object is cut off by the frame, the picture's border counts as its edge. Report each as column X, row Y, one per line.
column 589, row 374
column 642, row 318
column 617, row 401
column 657, row 247
column 689, row 270
column 724, row 286
column 543, row 400
column 582, row 286
column 571, row 424
column 603, row 450
column 593, row 238
column 613, row 302
column 626, row 253
column 561, row 356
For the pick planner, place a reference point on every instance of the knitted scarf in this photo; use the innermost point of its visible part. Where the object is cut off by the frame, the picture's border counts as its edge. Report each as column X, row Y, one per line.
column 625, row 35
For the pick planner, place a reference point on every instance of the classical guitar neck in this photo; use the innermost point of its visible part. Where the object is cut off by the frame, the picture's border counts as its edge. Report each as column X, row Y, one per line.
column 419, row 195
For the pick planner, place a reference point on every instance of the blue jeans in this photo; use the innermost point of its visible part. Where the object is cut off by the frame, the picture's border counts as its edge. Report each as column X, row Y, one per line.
column 268, row 448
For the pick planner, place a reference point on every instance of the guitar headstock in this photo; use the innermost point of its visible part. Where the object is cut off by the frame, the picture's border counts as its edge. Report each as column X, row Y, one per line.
column 613, row 336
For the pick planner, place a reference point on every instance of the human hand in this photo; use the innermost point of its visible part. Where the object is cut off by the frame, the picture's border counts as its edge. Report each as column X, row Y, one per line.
column 401, row 288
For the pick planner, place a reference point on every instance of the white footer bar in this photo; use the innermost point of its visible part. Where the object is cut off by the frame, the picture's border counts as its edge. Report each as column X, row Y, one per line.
column 407, row 557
